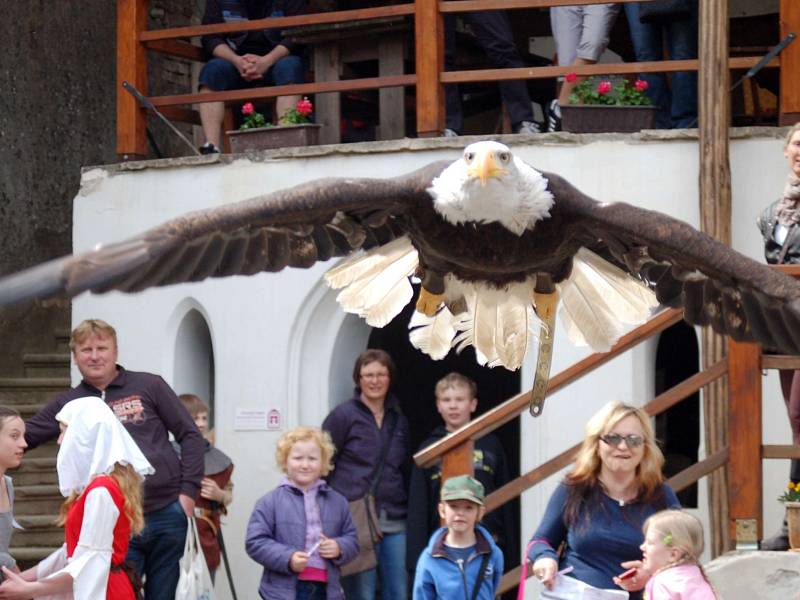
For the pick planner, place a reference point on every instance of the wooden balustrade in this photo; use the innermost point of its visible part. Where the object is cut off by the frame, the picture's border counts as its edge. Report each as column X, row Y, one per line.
column 429, row 77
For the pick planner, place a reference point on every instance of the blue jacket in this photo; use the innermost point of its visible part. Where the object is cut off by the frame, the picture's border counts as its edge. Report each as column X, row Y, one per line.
column 277, row 529
column 439, row 576
column 358, row 444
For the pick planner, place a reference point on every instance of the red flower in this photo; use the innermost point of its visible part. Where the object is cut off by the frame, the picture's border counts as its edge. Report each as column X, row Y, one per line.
column 248, row 108
column 304, row 107
column 571, row 77
column 640, row 85
column 604, row 87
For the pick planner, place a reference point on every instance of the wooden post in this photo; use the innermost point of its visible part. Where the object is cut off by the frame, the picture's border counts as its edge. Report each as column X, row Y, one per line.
column 744, row 453
column 429, row 39
column 131, row 67
column 715, row 219
column 790, row 64
column 458, row 461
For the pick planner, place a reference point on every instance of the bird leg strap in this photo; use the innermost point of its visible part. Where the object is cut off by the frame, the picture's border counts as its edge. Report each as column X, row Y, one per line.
column 545, row 298
column 431, row 293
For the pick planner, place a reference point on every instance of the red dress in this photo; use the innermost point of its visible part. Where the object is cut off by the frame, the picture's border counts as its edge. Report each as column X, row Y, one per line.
column 119, row 586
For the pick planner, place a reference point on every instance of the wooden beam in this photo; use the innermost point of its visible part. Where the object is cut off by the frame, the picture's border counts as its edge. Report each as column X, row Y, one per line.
column 791, row 270
column 744, row 428
column 780, row 451
column 131, row 67
column 458, row 6
column 789, row 102
column 458, row 461
column 503, row 413
column 780, row 361
column 177, row 48
column 693, row 474
column 429, row 57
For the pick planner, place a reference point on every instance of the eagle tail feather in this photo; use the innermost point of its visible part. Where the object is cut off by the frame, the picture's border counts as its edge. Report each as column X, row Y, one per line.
column 433, row 335
column 597, row 298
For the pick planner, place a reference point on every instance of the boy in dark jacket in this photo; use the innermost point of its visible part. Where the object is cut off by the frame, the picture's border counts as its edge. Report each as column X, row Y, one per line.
column 456, row 401
column 461, row 560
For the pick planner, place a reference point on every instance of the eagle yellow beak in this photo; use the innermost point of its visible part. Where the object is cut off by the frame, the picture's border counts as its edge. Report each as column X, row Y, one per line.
column 484, row 166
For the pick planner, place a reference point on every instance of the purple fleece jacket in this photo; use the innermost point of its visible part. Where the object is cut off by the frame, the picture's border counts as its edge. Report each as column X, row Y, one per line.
column 149, row 410
column 358, row 444
column 277, row 529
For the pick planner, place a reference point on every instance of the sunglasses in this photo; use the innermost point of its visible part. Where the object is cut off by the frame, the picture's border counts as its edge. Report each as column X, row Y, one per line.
column 615, row 439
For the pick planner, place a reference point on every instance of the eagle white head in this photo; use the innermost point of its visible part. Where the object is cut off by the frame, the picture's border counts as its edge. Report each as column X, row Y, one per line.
column 487, row 184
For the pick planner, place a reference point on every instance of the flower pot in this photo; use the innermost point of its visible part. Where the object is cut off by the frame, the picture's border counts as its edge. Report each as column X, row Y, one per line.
column 594, row 118
column 793, row 523
column 268, row 138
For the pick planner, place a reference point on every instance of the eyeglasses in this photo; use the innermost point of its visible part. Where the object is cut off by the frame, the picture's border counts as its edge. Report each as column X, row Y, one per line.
column 615, row 439
column 374, row 376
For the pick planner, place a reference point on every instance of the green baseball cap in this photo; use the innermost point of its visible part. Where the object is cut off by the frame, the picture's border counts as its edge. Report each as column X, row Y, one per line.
column 463, row 487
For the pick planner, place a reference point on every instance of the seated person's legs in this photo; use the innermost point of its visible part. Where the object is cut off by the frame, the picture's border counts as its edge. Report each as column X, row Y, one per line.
column 289, row 69
column 217, row 75
column 647, row 44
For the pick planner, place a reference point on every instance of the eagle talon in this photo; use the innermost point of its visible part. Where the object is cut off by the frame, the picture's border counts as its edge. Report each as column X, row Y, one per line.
column 428, row 303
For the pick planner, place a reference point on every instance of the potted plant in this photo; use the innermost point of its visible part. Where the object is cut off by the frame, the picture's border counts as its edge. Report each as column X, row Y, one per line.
column 294, row 128
column 602, row 104
column 791, row 499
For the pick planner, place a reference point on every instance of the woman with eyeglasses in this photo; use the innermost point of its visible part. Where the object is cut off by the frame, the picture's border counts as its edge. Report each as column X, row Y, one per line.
column 597, row 512
column 372, row 451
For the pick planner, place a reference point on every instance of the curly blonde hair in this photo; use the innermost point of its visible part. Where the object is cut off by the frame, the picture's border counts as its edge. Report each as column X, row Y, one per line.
column 584, row 478
column 304, row 434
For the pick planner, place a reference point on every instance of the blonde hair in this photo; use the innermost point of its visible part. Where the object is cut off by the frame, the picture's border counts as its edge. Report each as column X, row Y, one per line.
column 584, row 477
column 684, row 532
column 304, row 434
column 456, row 379
column 794, row 129
column 130, row 484
column 89, row 328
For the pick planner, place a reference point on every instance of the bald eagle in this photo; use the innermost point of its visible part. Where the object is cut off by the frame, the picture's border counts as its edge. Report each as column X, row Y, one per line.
column 494, row 241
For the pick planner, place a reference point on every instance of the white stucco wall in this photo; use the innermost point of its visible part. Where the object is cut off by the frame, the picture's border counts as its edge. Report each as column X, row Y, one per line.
column 280, row 341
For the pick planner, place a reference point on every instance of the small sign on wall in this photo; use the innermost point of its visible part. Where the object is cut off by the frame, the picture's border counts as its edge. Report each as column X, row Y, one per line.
column 248, row 419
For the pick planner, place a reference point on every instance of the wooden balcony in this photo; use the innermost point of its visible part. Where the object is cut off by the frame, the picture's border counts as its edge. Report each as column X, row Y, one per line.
column 134, row 40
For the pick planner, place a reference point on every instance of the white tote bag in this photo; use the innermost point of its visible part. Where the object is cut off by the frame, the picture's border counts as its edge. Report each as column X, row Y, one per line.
column 195, row 580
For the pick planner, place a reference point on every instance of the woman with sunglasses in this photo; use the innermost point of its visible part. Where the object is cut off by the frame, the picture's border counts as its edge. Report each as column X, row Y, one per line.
column 597, row 512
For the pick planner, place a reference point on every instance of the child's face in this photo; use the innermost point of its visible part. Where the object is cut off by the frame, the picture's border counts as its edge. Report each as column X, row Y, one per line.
column 201, row 420
column 655, row 553
column 460, row 516
column 456, row 406
column 304, row 463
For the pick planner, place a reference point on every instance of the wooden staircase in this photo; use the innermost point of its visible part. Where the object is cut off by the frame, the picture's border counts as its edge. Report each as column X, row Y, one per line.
column 37, row 498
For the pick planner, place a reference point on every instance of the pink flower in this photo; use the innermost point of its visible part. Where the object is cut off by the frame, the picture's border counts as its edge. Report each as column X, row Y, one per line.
column 571, row 77
column 304, row 107
column 248, row 108
column 640, row 85
column 604, row 87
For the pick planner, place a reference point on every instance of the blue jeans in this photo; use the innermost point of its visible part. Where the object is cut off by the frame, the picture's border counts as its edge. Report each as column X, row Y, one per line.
column 392, row 566
column 157, row 549
column 678, row 106
column 219, row 75
column 310, row 590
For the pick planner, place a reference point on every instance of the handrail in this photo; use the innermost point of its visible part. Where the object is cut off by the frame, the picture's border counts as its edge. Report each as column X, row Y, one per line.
column 503, row 413
column 656, row 406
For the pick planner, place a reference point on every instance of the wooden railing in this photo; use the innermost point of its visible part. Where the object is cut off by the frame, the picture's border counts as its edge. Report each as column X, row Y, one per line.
column 133, row 41
column 743, row 456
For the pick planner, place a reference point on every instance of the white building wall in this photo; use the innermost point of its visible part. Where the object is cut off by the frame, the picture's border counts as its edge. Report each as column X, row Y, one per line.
column 280, row 342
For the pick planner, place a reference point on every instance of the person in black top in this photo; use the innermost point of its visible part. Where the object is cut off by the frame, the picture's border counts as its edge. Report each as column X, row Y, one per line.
column 456, row 400
column 249, row 59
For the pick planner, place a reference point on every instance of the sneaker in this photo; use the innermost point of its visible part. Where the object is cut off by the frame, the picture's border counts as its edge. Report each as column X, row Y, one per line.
column 209, row 148
column 529, row 127
column 778, row 542
column 449, row 133
column 554, row 116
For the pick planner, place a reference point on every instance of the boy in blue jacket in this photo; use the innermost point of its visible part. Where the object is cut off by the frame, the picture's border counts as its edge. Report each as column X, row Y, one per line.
column 461, row 560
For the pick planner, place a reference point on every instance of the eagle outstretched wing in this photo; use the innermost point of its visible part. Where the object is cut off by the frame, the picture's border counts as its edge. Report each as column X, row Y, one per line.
column 714, row 284
column 295, row 227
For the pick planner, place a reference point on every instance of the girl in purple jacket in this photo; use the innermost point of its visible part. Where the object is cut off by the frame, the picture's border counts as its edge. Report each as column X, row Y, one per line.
column 301, row 532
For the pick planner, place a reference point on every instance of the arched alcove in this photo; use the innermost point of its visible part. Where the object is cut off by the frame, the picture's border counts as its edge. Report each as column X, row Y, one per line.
column 193, row 364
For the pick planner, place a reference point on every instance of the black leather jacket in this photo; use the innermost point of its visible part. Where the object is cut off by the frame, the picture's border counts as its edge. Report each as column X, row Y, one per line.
column 772, row 249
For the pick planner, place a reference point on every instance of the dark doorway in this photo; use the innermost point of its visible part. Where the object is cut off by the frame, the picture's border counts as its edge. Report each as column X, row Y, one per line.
column 678, row 429
column 417, row 377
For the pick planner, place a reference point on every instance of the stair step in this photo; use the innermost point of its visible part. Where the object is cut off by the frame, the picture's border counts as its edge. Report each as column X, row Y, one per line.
column 62, row 337
column 54, row 364
column 30, row 522
column 42, row 499
column 34, row 471
column 46, row 450
column 27, row 557
column 31, row 390
column 39, row 530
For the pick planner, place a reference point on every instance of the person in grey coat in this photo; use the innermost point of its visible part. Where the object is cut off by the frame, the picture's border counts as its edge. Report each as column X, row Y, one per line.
column 301, row 532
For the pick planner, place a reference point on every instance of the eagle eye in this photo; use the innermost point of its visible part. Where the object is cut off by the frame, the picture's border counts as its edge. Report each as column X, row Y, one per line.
column 504, row 157
column 469, row 157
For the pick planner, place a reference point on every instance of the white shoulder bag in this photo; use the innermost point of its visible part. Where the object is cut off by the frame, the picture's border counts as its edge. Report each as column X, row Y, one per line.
column 195, row 581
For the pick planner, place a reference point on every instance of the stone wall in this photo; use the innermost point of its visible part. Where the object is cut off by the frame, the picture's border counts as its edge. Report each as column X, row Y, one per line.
column 58, row 99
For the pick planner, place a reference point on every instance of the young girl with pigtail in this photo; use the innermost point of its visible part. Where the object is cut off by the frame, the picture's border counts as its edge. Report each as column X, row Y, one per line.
column 673, row 542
